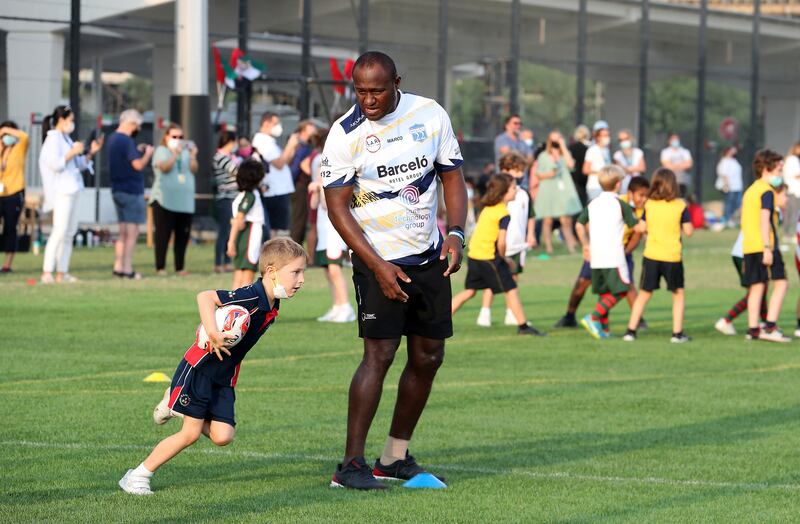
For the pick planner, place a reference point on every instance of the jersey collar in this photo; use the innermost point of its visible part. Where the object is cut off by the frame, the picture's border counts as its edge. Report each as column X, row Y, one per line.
column 263, row 300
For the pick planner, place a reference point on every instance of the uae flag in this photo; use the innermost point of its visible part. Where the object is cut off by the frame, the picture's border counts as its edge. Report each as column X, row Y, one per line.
column 246, row 66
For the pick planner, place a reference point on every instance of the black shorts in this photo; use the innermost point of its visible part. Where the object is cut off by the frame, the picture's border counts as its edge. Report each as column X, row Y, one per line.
column 426, row 313
column 196, row 395
column 653, row 270
column 489, row 274
column 755, row 272
column 277, row 209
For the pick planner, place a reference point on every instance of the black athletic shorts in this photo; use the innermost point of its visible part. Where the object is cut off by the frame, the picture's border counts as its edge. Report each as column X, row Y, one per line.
column 489, row 274
column 653, row 270
column 755, row 272
column 426, row 313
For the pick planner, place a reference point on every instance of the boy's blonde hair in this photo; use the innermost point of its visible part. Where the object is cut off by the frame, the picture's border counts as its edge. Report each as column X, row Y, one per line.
column 278, row 252
column 609, row 177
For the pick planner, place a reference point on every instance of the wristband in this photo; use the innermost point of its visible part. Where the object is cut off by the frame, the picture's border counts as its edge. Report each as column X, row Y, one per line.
column 459, row 235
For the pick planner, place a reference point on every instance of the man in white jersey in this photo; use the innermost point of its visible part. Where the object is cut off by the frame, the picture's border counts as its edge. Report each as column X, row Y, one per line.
column 380, row 169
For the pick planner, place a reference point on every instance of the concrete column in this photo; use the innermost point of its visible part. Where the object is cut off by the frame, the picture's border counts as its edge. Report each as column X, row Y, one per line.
column 35, row 65
column 97, row 86
column 191, row 46
column 782, row 123
column 621, row 106
column 163, row 79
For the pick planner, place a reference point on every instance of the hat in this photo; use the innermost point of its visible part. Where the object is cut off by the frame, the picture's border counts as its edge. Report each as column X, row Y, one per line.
column 600, row 124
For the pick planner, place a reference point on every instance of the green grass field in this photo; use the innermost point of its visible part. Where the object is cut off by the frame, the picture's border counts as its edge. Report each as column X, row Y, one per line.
column 560, row 429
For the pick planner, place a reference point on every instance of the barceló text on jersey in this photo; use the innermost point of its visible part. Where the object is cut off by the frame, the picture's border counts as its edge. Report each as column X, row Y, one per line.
column 399, row 169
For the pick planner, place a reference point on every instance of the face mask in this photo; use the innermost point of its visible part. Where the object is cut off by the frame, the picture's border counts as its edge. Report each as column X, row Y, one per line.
column 625, row 144
column 604, row 141
column 277, row 130
column 776, row 180
column 555, row 145
column 9, row 140
column 278, row 291
column 135, row 132
column 528, row 142
column 245, row 152
column 70, row 127
column 675, row 143
column 173, row 143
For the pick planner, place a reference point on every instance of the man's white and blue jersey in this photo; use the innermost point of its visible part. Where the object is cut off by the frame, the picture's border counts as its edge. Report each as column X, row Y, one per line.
column 393, row 164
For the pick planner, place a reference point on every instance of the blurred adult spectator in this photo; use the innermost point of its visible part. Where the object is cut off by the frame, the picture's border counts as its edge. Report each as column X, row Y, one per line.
column 791, row 176
column 278, row 186
column 172, row 197
column 577, row 148
column 224, row 166
column 729, row 181
column 630, row 158
column 557, row 197
column 125, row 163
column 679, row 160
column 61, row 162
column 597, row 157
column 13, row 153
column 511, row 140
column 301, row 176
column 483, row 179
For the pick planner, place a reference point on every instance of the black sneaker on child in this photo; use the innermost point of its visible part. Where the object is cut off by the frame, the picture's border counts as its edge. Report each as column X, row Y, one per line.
column 399, row 470
column 355, row 475
column 527, row 329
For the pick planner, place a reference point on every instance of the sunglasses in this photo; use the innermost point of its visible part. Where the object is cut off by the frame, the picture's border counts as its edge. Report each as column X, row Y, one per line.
column 176, row 136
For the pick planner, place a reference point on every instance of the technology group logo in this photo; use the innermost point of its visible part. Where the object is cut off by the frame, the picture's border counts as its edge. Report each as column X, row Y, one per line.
column 410, row 195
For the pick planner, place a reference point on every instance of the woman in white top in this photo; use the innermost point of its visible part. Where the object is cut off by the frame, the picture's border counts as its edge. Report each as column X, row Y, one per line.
column 729, row 181
column 791, row 176
column 629, row 158
column 60, row 162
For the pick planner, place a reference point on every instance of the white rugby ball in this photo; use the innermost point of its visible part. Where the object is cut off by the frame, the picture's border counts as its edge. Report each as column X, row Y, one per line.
column 232, row 321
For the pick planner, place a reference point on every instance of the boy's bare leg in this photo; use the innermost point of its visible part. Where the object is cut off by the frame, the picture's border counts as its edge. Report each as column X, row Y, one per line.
column 461, row 298
column 638, row 309
column 754, row 295
column 678, row 304
column 515, row 305
column 776, row 300
column 220, row 433
column 169, row 447
column 488, row 296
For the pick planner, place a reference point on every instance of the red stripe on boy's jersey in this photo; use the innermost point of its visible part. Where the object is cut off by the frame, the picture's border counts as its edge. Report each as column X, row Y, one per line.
column 173, row 397
column 194, row 355
column 271, row 315
column 236, row 375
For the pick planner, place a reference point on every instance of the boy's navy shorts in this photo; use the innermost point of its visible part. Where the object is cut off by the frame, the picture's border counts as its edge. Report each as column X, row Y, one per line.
column 586, row 271
column 196, row 395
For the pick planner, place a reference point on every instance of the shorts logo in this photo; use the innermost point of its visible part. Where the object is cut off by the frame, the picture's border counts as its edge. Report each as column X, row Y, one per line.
column 367, row 316
column 418, row 132
column 184, row 400
column 373, row 143
column 410, row 195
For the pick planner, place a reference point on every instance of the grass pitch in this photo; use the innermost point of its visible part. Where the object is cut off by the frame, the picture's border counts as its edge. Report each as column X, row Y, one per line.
column 559, row 429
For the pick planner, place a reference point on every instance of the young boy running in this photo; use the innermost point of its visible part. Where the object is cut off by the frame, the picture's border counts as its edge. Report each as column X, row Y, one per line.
column 606, row 216
column 202, row 388
column 762, row 257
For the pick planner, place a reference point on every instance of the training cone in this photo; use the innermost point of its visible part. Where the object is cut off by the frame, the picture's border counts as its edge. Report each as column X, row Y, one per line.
column 157, row 377
column 425, row 480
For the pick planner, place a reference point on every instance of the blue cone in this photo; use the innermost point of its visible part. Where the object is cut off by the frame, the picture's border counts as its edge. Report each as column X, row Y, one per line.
column 425, row 480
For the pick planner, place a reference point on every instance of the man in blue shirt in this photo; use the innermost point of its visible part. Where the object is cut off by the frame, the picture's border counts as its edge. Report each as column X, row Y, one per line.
column 306, row 132
column 126, row 162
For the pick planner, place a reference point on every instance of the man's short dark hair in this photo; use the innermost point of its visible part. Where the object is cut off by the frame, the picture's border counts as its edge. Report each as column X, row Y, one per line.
column 373, row 58
column 266, row 117
column 509, row 117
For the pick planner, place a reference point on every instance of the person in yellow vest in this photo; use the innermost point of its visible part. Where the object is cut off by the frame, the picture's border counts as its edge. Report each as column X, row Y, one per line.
column 13, row 151
column 665, row 216
column 762, row 257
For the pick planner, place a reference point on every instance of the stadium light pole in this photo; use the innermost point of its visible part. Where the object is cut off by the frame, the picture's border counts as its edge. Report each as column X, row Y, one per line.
column 441, row 72
column 580, row 90
column 245, row 91
column 702, row 43
column 755, row 51
column 513, row 66
column 644, row 49
column 75, row 64
column 305, row 62
column 363, row 27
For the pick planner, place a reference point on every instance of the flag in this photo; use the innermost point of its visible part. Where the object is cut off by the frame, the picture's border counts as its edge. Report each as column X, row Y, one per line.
column 337, row 75
column 249, row 68
column 348, row 68
column 218, row 65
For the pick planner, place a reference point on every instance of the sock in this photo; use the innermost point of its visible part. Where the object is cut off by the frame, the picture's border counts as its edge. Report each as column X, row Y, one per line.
column 678, row 334
column 142, row 471
column 753, row 332
column 604, row 323
column 607, row 301
column 630, row 331
column 485, row 311
column 569, row 316
column 395, row 449
column 736, row 310
column 770, row 325
column 523, row 326
column 764, row 309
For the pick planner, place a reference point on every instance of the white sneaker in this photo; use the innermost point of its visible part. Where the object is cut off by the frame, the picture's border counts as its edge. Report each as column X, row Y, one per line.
column 484, row 318
column 327, row 317
column 511, row 320
column 135, row 485
column 69, row 279
column 162, row 413
column 344, row 314
column 797, row 332
column 725, row 327
column 773, row 336
column 48, row 279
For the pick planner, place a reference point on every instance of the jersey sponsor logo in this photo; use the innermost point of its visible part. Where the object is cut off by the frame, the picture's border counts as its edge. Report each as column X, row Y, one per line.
column 394, row 139
column 415, row 165
column 418, row 132
column 324, row 162
column 373, row 143
column 410, row 194
column 184, row 400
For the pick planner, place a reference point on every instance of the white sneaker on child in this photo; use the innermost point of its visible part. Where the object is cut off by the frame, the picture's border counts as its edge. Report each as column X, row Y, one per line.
column 511, row 320
column 328, row 316
column 484, row 318
column 725, row 327
column 344, row 314
column 162, row 413
column 134, row 484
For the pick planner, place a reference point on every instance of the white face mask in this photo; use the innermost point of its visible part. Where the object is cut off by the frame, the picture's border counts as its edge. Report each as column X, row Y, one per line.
column 70, row 127
column 278, row 291
column 528, row 142
column 675, row 143
column 277, row 130
column 625, row 144
column 173, row 143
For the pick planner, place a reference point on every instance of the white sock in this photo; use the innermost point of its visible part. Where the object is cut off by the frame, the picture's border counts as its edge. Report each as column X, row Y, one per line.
column 142, row 471
column 485, row 311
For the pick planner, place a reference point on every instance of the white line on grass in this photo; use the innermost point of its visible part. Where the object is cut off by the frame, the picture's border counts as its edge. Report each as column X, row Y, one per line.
column 555, row 475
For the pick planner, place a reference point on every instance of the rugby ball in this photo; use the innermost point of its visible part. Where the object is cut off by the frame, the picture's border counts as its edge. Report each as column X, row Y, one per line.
column 232, row 321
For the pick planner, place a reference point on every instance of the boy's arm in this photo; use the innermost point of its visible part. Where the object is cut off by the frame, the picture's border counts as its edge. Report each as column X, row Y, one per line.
column 766, row 226
column 581, row 230
column 633, row 242
column 237, row 224
column 501, row 243
column 207, row 304
column 686, row 223
column 531, row 239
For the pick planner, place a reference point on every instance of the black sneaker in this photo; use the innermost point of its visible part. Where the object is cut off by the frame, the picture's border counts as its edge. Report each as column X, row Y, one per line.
column 355, row 475
column 527, row 329
column 566, row 322
column 643, row 324
column 399, row 470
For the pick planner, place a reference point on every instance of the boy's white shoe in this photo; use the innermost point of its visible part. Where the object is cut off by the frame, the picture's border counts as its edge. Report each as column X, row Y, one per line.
column 484, row 318
column 134, row 484
column 327, row 317
column 511, row 320
column 725, row 327
column 797, row 332
column 162, row 413
column 344, row 313
column 773, row 336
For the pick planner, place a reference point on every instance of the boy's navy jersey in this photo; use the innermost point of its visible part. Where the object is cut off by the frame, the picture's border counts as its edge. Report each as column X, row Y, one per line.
column 226, row 371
